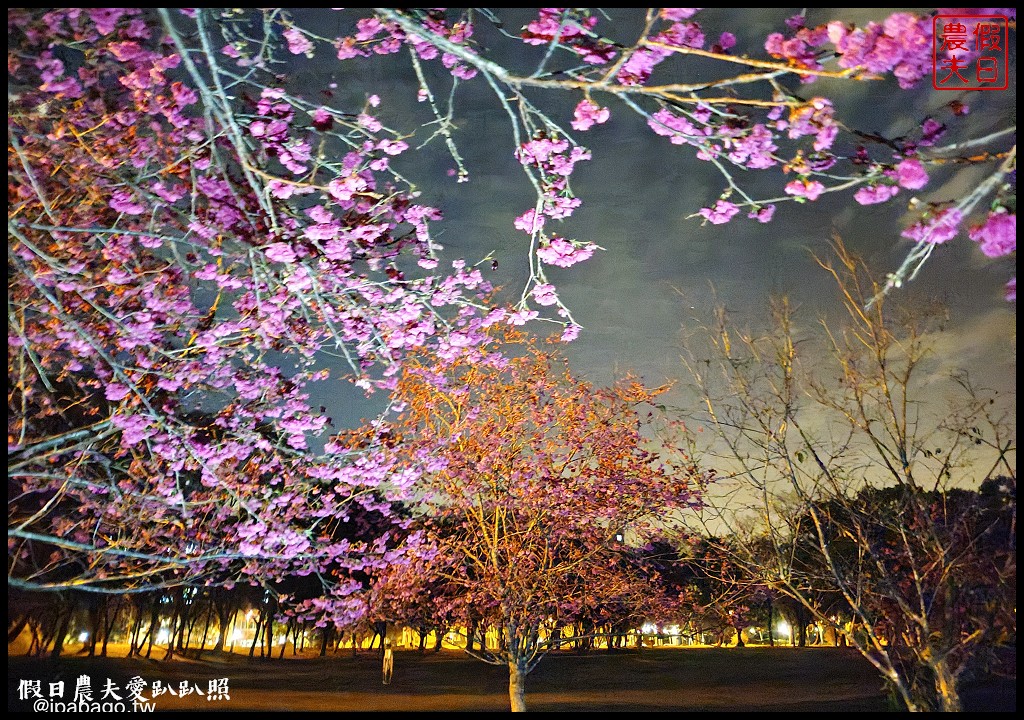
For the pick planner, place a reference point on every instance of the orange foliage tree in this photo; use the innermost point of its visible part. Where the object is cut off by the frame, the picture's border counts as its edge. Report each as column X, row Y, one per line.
column 534, row 489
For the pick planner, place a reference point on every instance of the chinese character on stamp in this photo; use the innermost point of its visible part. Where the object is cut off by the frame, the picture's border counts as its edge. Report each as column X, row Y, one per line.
column 970, row 52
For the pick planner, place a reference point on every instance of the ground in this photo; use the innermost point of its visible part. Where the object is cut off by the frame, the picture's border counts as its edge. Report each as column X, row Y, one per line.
column 662, row 679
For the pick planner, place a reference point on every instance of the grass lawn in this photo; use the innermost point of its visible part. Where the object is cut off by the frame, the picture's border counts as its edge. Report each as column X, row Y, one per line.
column 661, row 679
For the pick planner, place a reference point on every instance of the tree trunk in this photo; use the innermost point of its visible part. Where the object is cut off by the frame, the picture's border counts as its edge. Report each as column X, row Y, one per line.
column 257, row 637
column 206, row 630
column 134, row 646
column 325, row 639
column 97, row 619
column 34, row 647
column 184, row 615
column 193, row 618
column 62, row 630
column 108, row 627
column 172, row 629
column 470, row 634
column 154, row 623
column 224, row 618
column 14, row 630
column 284, row 645
column 516, row 687
column 380, row 630
column 231, row 630
column 269, row 640
column 946, row 687
column 140, row 640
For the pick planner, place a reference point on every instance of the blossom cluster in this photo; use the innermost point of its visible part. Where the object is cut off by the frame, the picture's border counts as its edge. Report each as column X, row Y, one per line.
column 179, row 277
column 553, row 160
column 901, row 44
column 374, row 36
column 997, row 236
column 572, row 28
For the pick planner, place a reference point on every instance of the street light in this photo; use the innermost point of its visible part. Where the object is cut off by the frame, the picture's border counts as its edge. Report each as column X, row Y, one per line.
column 784, row 628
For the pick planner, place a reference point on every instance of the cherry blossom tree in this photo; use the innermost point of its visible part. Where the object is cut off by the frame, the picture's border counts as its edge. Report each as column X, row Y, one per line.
column 527, row 477
column 198, row 238
column 186, row 249
column 764, row 108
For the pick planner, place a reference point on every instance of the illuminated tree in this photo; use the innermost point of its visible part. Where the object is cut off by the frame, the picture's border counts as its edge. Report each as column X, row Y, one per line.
column 527, row 475
column 177, row 281
column 197, row 234
column 847, row 466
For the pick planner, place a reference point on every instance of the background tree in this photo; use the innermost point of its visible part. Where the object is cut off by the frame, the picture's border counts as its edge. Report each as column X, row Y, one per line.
column 723, row 591
column 846, row 465
column 527, row 474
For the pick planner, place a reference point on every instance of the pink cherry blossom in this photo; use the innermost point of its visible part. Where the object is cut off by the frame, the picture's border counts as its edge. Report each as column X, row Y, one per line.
column 686, row 34
column 678, row 13
column 544, row 294
column 298, row 44
column 676, row 127
column 162, row 198
column 588, row 114
column 641, row 63
column 116, row 392
column 762, row 215
column 521, row 317
column 722, row 212
column 570, row 333
column 997, row 236
column 280, row 252
column 124, row 201
column 931, row 131
column 563, row 253
column 936, row 228
column 911, row 174
column 529, row 222
column 810, row 189
column 873, row 194
column 134, row 428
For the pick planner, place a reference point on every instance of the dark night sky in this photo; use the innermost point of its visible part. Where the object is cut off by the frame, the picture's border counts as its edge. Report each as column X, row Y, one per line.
column 638, row 298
